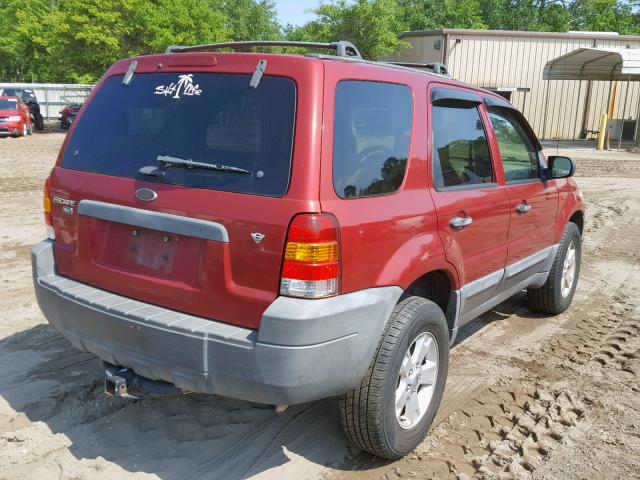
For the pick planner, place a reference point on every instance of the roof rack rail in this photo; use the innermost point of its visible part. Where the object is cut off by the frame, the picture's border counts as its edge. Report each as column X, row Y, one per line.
column 435, row 67
column 342, row 48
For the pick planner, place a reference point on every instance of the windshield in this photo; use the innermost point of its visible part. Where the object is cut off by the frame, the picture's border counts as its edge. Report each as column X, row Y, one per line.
column 208, row 118
column 8, row 104
column 23, row 94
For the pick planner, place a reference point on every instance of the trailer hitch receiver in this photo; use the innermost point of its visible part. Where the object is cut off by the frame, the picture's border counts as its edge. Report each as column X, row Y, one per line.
column 115, row 383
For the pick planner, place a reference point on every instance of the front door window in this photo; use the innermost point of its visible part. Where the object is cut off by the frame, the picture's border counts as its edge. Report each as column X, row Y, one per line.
column 519, row 157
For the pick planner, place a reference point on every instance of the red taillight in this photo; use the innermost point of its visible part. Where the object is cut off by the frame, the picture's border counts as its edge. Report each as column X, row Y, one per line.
column 311, row 267
column 46, row 206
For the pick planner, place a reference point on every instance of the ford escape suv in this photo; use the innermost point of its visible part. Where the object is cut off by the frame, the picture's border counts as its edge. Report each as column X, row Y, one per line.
column 282, row 228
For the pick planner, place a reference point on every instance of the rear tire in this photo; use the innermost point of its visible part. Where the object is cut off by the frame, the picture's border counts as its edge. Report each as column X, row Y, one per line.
column 375, row 416
column 39, row 121
column 555, row 296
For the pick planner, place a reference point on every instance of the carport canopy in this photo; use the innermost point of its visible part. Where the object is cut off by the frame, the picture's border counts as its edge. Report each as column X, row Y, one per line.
column 595, row 64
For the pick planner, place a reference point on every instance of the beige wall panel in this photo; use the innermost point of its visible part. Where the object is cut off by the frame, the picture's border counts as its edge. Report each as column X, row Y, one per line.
column 518, row 61
column 421, row 50
column 501, row 61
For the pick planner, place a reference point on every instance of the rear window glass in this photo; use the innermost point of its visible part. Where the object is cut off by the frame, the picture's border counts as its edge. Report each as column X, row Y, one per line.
column 372, row 130
column 207, row 118
column 460, row 148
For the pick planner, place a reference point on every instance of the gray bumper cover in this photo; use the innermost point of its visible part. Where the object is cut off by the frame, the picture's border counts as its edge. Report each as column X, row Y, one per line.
column 304, row 350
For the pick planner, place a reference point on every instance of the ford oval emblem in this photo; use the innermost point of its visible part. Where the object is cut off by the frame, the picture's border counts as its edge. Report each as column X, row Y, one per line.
column 146, row 194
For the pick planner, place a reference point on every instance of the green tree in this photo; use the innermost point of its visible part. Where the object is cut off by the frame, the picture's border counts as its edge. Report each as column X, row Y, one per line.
column 372, row 25
column 86, row 37
column 605, row 15
column 433, row 14
column 25, row 45
column 154, row 25
column 252, row 19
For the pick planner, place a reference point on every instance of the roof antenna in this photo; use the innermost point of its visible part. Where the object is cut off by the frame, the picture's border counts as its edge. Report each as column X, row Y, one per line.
column 257, row 74
column 129, row 75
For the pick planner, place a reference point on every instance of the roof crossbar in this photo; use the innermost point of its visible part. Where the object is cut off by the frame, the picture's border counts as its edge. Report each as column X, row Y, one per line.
column 342, row 48
column 435, row 67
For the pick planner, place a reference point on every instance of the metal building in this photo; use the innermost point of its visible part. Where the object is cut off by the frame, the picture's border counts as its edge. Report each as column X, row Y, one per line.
column 512, row 63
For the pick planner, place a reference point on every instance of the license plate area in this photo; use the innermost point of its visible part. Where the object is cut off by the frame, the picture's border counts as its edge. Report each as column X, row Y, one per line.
column 146, row 252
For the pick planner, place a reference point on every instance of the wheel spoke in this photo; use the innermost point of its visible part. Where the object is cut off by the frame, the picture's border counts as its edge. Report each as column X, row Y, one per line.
column 428, row 373
column 401, row 399
column 405, row 367
column 422, row 348
column 412, row 410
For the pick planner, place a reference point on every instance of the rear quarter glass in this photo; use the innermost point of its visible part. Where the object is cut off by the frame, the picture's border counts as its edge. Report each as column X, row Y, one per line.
column 372, row 130
column 204, row 117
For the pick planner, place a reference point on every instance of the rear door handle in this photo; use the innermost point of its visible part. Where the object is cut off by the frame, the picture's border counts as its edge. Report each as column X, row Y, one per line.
column 523, row 208
column 460, row 222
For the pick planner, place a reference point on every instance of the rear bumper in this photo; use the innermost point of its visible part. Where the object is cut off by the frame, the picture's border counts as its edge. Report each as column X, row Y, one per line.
column 304, row 350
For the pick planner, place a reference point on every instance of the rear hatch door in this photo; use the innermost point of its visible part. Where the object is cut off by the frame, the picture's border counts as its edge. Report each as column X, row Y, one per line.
column 132, row 217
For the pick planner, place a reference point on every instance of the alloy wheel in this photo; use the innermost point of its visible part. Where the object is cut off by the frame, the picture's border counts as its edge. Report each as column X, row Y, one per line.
column 416, row 380
column 568, row 270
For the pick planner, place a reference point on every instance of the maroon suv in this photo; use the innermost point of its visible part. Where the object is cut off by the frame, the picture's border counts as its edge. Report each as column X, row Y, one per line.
column 285, row 228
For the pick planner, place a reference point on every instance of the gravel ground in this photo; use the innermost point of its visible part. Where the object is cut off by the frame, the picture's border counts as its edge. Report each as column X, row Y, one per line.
column 528, row 396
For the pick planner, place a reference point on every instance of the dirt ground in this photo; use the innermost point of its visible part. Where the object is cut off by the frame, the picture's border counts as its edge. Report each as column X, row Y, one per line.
column 527, row 397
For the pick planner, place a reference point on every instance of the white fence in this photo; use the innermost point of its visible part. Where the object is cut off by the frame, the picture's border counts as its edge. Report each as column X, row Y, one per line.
column 53, row 96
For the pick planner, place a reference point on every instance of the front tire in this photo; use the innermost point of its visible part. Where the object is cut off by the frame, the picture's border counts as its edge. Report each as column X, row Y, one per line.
column 555, row 296
column 392, row 410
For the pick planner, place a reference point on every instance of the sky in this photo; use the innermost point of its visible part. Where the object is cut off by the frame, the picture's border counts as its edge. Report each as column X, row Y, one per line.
column 296, row 12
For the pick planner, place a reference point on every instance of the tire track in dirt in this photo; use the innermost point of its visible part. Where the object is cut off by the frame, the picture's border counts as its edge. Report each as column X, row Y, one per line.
column 593, row 334
column 619, row 168
column 503, row 432
column 507, row 431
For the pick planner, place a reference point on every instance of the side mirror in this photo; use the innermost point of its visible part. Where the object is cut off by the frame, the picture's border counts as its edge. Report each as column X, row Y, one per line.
column 561, row 167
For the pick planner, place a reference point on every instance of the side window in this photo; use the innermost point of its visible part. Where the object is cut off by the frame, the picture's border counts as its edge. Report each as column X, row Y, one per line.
column 372, row 130
column 519, row 157
column 460, row 147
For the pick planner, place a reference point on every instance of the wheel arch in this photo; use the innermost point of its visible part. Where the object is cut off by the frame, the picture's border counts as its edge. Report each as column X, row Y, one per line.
column 578, row 218
column 571, row 210
column 439, row 286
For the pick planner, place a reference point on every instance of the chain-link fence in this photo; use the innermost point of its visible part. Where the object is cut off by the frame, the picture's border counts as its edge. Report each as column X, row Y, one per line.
column 51, row 96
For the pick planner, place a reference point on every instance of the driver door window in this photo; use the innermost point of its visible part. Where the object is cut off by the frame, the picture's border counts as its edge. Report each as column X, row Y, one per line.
column 519, row 157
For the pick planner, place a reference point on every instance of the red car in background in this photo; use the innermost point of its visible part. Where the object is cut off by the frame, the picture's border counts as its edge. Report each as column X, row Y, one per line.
column 68, row 114
column 14, row 117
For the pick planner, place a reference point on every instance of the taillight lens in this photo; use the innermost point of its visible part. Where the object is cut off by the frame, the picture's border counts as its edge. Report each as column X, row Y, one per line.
column 46, row 206
column 311, row 267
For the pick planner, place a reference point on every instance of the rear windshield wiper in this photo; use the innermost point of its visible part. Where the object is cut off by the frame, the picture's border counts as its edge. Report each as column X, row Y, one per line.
column 167, row 162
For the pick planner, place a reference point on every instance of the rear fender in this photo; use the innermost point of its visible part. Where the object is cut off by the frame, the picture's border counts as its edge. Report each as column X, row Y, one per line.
column 420, row 255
